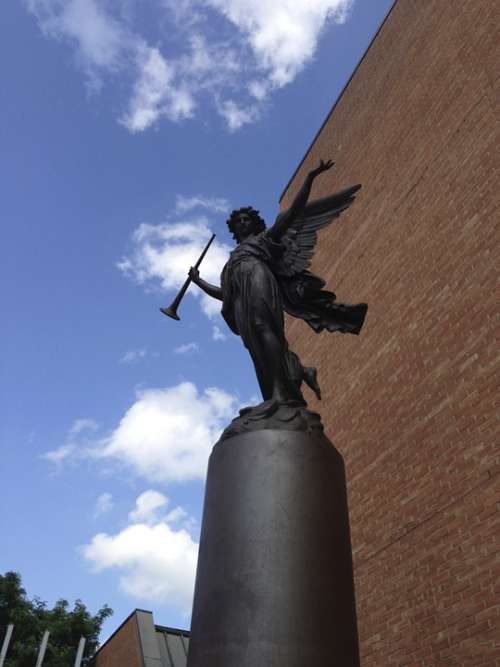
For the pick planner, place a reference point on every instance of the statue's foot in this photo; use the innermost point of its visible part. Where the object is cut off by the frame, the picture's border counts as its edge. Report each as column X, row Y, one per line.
column 311, row 379
column 291, row 395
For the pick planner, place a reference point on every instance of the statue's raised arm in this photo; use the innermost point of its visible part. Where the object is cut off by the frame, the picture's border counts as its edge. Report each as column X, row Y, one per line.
column 296, row 229
column 287, row 218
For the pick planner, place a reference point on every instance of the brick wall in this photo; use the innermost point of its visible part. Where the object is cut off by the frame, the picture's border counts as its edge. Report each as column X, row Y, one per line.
column 123, row 648
column 413, row 403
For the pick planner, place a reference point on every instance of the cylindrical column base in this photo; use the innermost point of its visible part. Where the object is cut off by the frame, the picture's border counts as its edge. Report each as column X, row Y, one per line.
column 274, row 586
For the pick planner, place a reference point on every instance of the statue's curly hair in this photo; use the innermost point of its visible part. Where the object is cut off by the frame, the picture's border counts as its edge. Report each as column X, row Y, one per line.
column 258, row 223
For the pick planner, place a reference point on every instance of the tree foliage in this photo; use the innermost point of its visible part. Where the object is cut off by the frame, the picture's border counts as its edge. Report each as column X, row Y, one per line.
column 32, row 617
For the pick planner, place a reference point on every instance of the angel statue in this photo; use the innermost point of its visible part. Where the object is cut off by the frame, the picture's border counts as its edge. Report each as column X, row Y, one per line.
column 267, row 275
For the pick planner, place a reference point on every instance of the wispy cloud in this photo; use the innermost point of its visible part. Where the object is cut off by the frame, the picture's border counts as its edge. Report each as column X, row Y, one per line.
column 217, row 334
column 234, row 53
column 156, row 561
column 79, row 435
column 156, row 92
column 81, row 425
column 59, row 455
column 133, row 356
column 103, row 504
column 214, row 204
column 187, row 348
column 237, row 116
column 100, row 41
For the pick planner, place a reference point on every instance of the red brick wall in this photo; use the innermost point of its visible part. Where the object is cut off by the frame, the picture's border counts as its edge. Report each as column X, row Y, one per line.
column 413, row 403
column 122, row 649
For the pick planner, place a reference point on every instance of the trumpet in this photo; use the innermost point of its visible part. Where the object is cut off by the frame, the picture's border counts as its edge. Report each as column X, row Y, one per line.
column 171, row 311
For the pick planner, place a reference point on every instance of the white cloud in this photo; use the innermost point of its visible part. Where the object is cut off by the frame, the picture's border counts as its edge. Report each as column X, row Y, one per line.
column 162, row 254
column 283, row 34
column 184, row 13
column 259, row 89
column 217, row 334
column 210, row 65
column 133, row 356
column 167, row 434
column 155, row 92
column 236, row 63
column 187, row 348
column 100, row 41
column 77, row 438
column 157, row 562
column 81, row 425
column 104, row 503
column 215, row 204
column 235, row 116
column 59, row 455
column 180, row 514
column 147, row 506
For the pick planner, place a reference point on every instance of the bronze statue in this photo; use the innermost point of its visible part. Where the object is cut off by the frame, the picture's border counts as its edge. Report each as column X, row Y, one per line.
column 267, row 274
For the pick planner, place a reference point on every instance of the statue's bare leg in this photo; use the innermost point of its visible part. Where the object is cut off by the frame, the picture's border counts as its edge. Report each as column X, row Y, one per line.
column 311, row 380
column 300, row 373
column 268, row 354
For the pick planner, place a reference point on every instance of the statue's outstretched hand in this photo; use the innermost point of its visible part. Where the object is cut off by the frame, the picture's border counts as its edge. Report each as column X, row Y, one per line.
column 323, row 166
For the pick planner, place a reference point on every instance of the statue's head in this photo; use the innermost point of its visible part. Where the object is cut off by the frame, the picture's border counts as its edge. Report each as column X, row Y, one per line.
column 245, row 222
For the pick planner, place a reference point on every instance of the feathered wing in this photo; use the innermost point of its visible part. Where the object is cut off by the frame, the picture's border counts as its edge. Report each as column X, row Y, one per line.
column 301, row 237
column 303, row 295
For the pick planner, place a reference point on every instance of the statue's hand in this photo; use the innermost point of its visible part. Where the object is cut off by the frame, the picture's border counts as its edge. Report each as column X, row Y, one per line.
column 194, row 274
column 323, row 166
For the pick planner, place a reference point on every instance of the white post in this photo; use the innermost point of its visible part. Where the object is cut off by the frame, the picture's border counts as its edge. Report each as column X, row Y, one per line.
column 79, row 653
column 5, row 644
column 43, row 648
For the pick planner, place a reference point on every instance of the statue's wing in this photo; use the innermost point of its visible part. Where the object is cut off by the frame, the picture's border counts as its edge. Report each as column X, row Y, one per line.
column 300, row 238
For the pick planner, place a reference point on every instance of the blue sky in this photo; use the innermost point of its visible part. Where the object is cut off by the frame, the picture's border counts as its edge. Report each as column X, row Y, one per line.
column 128, row 130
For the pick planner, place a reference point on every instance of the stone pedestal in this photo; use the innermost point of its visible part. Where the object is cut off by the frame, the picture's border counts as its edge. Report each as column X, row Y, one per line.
column 274, row 586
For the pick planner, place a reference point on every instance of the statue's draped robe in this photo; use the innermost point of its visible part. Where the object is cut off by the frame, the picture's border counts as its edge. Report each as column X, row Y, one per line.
column 255, row 295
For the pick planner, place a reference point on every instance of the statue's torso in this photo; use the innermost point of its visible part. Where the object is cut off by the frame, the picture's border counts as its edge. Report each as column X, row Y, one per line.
column 248, row 279
column 258, row 248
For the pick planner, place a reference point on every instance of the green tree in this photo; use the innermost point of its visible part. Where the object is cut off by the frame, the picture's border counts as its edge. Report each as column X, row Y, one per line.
column 32, row 617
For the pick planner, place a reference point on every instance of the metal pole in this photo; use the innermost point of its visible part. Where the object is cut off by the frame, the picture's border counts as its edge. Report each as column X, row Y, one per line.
column 43, row 647
column 79, row 653
column 6, row 642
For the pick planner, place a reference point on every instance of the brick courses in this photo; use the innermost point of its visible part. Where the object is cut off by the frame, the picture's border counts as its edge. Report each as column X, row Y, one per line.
column 413, row 403
column 123, row 648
